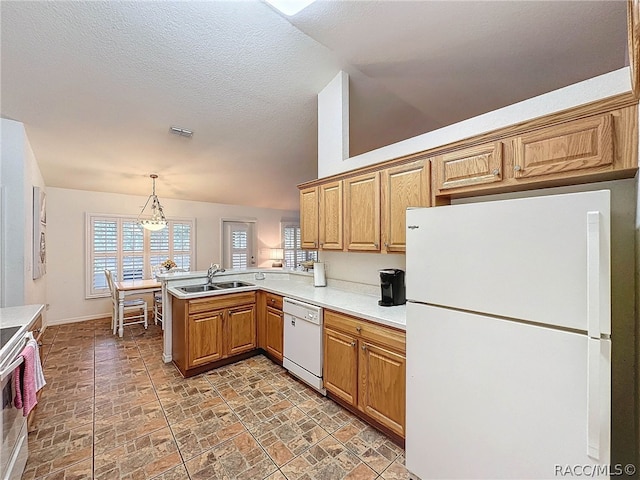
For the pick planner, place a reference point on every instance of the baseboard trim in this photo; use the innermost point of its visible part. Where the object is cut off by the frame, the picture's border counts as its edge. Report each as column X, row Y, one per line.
column 64, row 321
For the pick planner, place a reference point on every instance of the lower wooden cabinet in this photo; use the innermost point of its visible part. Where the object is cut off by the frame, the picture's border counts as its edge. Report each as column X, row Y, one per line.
column 365, row 367
column 341, row 365
column 274, row 324
column 241, row 329
column 271, row 325
column 382, row 385
column 204, row 337
column 210, row 329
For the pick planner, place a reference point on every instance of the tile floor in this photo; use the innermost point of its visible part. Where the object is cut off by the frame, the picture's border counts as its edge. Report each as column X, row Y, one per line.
column 113, row 410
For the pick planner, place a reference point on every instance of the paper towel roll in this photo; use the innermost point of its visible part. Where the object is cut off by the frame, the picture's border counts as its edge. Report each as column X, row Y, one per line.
column 319, row 278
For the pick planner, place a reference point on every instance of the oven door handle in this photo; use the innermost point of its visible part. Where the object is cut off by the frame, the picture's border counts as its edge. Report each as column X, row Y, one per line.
column 9, row 370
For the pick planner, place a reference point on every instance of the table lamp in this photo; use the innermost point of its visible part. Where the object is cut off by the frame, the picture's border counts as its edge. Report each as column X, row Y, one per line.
column 277, row 254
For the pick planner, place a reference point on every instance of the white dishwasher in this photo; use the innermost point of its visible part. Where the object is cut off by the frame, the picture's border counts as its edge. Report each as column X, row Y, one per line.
column 303, row 342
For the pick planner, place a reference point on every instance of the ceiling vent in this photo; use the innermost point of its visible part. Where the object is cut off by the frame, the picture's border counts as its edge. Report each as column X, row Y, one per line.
column 183, row 132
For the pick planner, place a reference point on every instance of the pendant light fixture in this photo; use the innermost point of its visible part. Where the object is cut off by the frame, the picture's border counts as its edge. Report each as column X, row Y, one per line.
column 157, row 220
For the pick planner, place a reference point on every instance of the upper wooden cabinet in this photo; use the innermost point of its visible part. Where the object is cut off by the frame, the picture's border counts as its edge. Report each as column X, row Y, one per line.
column 578, row 145
column 309, row 218
column 402, row 187
column 362, row 212
column 588, row 143
column 331, row 216
column 468, row 166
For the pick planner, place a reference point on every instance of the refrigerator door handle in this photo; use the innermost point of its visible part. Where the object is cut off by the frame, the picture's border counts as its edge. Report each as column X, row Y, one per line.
column 593, row 399
column 593, row 274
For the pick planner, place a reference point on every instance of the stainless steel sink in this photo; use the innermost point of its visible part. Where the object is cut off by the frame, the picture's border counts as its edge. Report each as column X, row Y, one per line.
column 234, row 284
column 207, row 287
column 197, row 288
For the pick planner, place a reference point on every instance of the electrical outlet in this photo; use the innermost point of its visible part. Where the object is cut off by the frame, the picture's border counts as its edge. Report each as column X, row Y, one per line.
column 47, row 306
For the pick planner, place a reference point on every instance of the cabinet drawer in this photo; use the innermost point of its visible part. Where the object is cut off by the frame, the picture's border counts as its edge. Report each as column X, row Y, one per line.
column 274, row 301
column 367, row 330
column 198, row 305
column 577, row 145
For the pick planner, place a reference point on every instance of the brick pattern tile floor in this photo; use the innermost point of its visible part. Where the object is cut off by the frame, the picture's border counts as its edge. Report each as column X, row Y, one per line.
column 113, row 410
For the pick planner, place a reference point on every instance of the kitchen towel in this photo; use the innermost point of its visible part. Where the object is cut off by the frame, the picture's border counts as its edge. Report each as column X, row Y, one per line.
column 28, row 378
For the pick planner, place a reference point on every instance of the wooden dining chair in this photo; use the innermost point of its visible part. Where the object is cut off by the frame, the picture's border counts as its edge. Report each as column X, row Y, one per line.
column 157, row 296
column 137, row 305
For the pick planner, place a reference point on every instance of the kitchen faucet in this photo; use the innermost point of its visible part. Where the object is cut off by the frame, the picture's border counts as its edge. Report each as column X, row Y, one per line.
column 213, row 269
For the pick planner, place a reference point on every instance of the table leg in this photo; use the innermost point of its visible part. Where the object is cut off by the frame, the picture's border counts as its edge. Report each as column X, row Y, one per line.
column 121, row 314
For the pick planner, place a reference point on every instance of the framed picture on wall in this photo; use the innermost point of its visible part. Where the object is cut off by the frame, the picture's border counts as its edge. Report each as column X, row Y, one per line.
column 39, row 233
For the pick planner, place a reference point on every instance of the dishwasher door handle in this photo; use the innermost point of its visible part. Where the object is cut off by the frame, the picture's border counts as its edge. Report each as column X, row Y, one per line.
column 293, row 322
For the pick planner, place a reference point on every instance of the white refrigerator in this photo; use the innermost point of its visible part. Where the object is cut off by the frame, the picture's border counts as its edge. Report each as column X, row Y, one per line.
column 508, row 338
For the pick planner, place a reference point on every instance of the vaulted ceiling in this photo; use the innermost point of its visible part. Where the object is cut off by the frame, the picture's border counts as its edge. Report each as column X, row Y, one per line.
column 98, row 84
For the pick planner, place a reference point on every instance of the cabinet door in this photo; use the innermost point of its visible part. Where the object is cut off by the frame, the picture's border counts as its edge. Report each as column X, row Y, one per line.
column 467, row 167
column 402, row 187
column 261, row 316
column 362, row 212
column 382, row 385
column 204, row 338
column 577, row 145
column 341, row 365
column 331, row 216
column 274, row 327
column 309, row 221
column 241, row 329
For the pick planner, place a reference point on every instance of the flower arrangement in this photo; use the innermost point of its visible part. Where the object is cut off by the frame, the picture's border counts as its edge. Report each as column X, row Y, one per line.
column 169, row 264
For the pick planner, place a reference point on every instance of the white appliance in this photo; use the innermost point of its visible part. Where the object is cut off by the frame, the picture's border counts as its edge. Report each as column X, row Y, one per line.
column 14, row 450
column 508, row 337
column 303, row 342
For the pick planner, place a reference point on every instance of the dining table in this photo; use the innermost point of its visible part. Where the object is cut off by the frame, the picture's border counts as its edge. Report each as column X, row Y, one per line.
column 132, row 287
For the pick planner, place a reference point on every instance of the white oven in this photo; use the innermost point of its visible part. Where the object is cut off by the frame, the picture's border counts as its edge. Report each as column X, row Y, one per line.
column 14, row 452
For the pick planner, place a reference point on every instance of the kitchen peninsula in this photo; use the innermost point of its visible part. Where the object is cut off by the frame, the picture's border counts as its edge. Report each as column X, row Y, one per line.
column 360, row 347
column 292, row 284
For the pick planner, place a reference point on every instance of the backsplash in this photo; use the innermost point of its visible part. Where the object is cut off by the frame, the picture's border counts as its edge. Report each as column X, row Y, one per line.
column 345, row 268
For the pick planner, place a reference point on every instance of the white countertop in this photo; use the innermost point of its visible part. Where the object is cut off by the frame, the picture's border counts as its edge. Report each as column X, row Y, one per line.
column 350, row 303
column 19, row 316
column 22, row 317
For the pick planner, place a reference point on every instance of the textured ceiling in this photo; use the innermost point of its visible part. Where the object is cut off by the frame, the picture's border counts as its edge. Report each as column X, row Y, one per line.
column 98, row 84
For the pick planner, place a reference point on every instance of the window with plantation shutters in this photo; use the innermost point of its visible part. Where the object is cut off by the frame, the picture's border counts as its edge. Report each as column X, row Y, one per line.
column 118, row 244
column 291, row 243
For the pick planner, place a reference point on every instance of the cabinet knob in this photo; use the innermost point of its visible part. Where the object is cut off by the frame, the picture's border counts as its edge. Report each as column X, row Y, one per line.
column 273, row 300
column 517, row 168
column 496, row 172
column 353, row 344
column 364, row 348
column 375, row 245
column 358, row 328
column 386, row 245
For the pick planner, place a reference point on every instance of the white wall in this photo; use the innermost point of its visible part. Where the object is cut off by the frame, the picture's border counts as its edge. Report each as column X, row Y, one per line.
column 359, row 267
column 590, row 90
column 66, row 234
column 333, row 121
column 20, row 173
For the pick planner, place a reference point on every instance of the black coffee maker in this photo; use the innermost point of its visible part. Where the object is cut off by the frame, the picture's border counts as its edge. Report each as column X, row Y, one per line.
column 392, row 287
